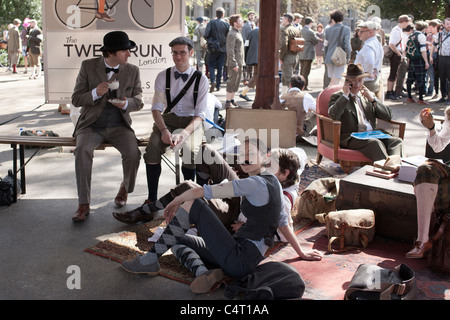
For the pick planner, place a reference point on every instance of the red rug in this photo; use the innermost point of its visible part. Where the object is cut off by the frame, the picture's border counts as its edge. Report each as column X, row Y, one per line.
column 329, row 278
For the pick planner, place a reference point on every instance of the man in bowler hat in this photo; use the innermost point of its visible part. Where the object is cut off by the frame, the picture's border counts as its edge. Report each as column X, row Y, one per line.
column 107, row 90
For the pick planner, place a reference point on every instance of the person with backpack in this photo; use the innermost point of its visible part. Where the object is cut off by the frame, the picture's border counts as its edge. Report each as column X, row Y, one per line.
column 288, row 58
column 416, row 52
column 216, row 35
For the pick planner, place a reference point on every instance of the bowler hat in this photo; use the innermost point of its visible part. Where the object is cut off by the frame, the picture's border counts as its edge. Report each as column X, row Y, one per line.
column 117, row 40
column 355, row 71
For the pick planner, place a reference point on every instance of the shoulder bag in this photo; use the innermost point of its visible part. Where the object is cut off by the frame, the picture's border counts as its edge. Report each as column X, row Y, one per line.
column 339, row 56
column 371, row 282
column 352, row 229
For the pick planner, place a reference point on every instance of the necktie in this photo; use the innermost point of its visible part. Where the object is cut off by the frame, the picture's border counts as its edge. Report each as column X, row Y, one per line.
column 183, row 76
column 108, row 70
column 361, row 125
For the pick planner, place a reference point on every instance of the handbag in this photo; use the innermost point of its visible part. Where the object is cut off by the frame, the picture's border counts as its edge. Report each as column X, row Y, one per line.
column 296, row 45
column 318, row 197
column 339, row 56
column 388, row 52
column 371, row 282
column 352, row 229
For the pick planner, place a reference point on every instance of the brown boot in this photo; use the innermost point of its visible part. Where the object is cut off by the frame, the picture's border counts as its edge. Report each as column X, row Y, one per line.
column 82, row 213
column 121, row 197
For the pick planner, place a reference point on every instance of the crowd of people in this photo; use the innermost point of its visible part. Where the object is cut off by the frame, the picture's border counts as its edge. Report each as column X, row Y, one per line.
column 408, row 73
column 239, row 211
column 25, row 41
column 238, row 214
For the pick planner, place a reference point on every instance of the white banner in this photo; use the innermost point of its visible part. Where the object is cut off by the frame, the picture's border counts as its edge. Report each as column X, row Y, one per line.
column 74, row 31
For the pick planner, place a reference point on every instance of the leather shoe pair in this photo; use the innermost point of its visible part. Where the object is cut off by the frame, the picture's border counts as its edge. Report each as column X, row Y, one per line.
column 121, row 198
column 419, row 249
column 134, row 216
column 82, row 213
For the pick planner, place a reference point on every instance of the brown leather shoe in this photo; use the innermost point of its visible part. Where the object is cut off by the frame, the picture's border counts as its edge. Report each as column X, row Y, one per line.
column 82, row 213
column 133, row 216
column 419, row 249
column 103, row 16
column 121, row 198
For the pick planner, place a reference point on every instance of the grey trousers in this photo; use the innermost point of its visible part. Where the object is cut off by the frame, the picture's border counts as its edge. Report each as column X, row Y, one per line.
column 88, row 139
column 376, row 149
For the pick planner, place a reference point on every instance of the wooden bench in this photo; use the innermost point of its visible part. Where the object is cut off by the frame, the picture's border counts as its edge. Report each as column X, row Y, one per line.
column 46, row 142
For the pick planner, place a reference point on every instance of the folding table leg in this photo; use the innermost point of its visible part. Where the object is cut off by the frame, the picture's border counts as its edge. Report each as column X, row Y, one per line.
column 14, row 147
column 22, row 169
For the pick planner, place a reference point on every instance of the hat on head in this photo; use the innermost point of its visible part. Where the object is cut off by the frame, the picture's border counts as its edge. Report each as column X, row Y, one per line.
column 289, row 16
column 181, row 40
column 117, row 40
column 199, row 19
column 26, row 22
column 369, row 25
column 355, row 71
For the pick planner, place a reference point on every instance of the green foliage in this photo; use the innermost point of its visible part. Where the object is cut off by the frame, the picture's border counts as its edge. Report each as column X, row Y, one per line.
column 21, row 9
column 191, row 24
column 421, row 10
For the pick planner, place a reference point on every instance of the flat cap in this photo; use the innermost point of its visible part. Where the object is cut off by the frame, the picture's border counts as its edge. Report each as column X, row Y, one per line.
column 181, row 40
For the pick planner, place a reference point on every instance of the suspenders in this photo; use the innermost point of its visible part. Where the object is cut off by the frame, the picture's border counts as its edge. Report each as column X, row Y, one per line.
column 196, row 76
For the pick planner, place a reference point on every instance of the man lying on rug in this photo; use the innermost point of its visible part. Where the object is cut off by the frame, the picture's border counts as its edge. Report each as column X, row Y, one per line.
column 358, row 108
column 236, row 255
column 432, row 185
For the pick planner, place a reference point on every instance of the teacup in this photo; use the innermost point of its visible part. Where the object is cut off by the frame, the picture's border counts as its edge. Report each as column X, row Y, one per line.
column 113, row 85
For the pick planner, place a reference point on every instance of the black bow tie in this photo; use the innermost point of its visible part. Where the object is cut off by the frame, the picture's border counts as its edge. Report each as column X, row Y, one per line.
column 183, row 76
column 108, row 70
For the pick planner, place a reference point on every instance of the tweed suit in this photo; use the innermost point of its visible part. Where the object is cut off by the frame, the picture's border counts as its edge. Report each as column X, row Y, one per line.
column 89, row 134
column 340, row 108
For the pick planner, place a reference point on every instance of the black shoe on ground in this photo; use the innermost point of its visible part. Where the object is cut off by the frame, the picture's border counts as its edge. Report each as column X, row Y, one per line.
column 245, row 97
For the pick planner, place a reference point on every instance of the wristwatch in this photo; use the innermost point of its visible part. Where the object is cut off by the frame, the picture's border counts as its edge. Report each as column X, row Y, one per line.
column 375, row 100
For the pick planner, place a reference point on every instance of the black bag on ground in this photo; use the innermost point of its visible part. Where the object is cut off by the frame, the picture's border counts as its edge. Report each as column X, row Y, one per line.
column 270, row 281
column 371, row 282
column 6, row 189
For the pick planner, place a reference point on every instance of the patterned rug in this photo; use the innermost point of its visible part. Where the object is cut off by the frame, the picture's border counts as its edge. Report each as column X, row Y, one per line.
column 127, row 244
column 329, row 278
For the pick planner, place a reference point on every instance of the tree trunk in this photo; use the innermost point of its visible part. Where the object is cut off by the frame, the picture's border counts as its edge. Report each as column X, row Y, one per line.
column 267, row 85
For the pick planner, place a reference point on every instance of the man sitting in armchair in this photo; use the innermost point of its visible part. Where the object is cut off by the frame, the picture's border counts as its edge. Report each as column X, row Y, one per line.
column 358, row 108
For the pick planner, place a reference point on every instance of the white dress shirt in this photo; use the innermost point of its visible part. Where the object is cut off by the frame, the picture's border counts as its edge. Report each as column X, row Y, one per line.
column 185, row 107
column 371, row 57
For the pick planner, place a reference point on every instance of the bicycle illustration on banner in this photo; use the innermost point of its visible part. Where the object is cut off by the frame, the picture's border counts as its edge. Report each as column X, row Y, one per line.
column 148, row 14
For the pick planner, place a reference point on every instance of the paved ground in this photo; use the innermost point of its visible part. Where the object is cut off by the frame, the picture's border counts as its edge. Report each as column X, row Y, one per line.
column 39, row 242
